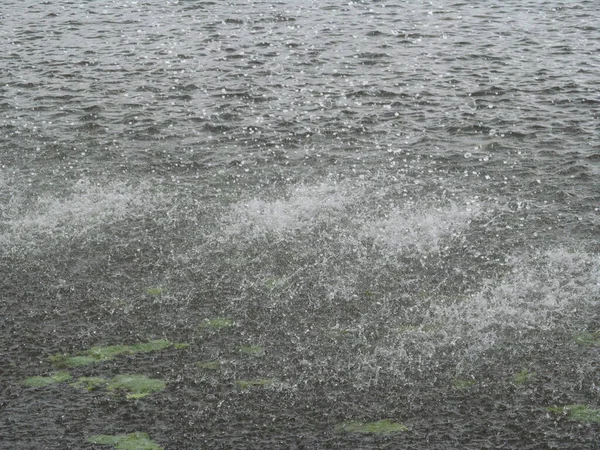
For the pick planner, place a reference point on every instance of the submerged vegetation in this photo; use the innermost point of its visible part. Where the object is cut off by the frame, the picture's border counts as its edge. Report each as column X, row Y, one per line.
column 577, row 413
column 155, row 291
column 131, row 441
column 90, row 383
column 258, row 382
column 216, row 323
column 463, row 383
column 132, row 386
column 135, row 386
column 39, row 381
column 105, row 353
column 210, row 365
column 252, row 350
column 524, row 377
column 587, row 338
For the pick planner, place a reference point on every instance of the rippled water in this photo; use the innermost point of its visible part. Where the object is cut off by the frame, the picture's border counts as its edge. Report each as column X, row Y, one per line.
column 398, row 200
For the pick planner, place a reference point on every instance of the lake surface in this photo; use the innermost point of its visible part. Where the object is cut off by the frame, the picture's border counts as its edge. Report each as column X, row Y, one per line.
column 394, row 203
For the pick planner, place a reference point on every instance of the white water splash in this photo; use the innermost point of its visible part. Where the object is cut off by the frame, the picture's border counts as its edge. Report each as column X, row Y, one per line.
column 420, row 228
column 545, row 291
column 85, row 211
column 302, row 208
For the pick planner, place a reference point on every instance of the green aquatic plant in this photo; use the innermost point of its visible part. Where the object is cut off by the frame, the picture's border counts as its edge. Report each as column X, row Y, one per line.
column 463, row 383
column 154, row 291
column 587, row 338
column 131, row 441
column 524, row 377
column 63, row 361
column 275, row 282
column 150, row 346
column 181, row 345
column 339, row 334
column 135, row 386
column 247, row 384
column 577, row 413
column 105, row 353
column 210, row 365
column 216, row 323
column 90, row 383
column 385, row 426
column 252, row 350
column 38, row 381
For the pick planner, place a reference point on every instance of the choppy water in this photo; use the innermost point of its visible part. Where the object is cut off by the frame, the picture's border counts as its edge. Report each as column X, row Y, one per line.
column 392, row 197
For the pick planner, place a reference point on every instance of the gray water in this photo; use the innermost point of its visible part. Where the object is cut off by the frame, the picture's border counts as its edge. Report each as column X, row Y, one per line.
column 397, row 200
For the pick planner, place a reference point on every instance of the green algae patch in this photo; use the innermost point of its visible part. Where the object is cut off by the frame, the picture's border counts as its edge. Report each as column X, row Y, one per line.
column 216, row 323
column 339, row 334
column 90, row 383
column 385, row 426
column 65, row 361
column 208, row 365
column 131, row 441
column 132, row 386
column 106, row 353
column 154, row 291
column 524, row 377
column 181, row 345
column 577, row 413
column 257, row 382
column 463, row 383
column 38, row 381
column 273, row 283
column 135, row 386
column 151, row 346
column 252, row 350
column 587, row 338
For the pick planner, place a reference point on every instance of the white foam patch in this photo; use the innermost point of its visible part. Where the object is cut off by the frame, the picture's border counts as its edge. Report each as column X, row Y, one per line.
column 89, row 208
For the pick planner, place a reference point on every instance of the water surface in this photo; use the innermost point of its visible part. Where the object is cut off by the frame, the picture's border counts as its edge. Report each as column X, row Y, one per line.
column 397, row 201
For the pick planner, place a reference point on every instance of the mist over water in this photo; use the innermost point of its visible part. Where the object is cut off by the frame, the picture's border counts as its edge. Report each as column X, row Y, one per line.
column 395, row 204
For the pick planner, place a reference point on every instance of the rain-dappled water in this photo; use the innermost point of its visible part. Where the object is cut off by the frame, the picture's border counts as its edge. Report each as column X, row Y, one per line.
column 325, row 213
